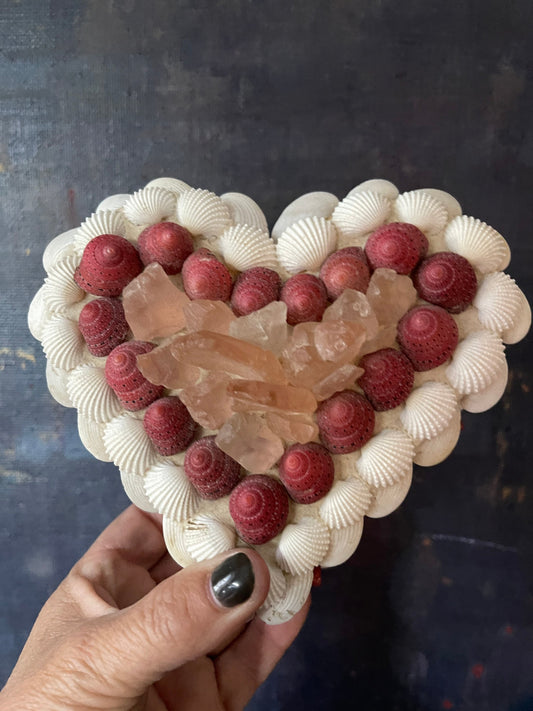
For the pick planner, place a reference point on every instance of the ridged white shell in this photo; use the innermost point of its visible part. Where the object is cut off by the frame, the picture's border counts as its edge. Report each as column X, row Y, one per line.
column 476, row 362
column 346, row 503
column 343, row 543
column 421, row 209
column 133, row 486
column 302, row 545
column 358, row 214
column 99, row 223
column 522, row 325
column 128, row 445
column 487, row 398
column 386, row 458
column 63, row 343
column 150, row 205
column 203, row 212
column 294, row 598
column 428, row 410
column 60, row 247
column 206, row 537
column 245, row 211
column 56, row 380
column 278, row 587
column 38, row 314
column 498, row 301
column 306, row 244
column 172, row 184
column 90, row 393
column 377, row 185
column 60, row 289
column 113, row 202
column 387, row 499
column 435, row 450
column 170, row 491
column 92, row 437
column 244, row 247
column 481, row 244
column 174, row 535
column 316, row 204
column 453, row 207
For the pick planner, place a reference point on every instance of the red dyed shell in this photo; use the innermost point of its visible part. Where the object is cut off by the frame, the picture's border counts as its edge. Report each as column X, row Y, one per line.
column 254, row 289
column 428, row 336
column 169, row 425
column 345, row 269
column 212, row 472
column 388, row 378
column 307, row 471
column 166, row 243
column 103, row 325
column 259, row 506
column 447, row 280
column 345, row 422
column 109, row 262
column 398, row 246
column 133, row 390
column 205, row 277
column 306, row 298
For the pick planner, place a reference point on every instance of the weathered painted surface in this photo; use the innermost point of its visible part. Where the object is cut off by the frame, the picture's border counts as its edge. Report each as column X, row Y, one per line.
column 435, row 610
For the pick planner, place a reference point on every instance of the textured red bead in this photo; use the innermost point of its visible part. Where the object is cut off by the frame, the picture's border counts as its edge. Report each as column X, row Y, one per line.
column 345, row 269
column 103, row 325
column 108, row 264
column 259, row 506
column 307, row 471
column 205, row 277
column 398, row 246
column 345, row 422
column 306, row 298
column 428, row 336
column 447, row 280
column 166, row 243
column 169, row 425
column 212, row 472
column 133, row 390
column 388, row 378
column 255, row 288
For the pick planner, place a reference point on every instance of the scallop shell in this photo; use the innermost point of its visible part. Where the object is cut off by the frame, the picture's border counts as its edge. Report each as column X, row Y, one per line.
column 377, row 185
column 171, row 493
column 60, row 247
column 481, row 244
column 105, row 222
column 453, row 208
column 278, row 587
column 302, row 545
column 435, row 450
column 387, row 499
column 306, row 244
column 113, row 202
column 498, row 301
column 316, row 204
column 245, row 211
column 63, row 343
column 174, row 535
column 90, row 393
column 358, row 214
column 487, row 398
column 476, row 362
column 128, row 445
column 206, row 537
column 421, row 209
column 38, row 314
column 386, row 458
column 60, row 289
column 173, row 185
column 92, row 437
column 150, row 205
column 294, row 598
column 346, row 503
column 428, row 410
column 56, row 379
column 522, row 325
column 203, row 212
column 133, row 486
column 244, row 247
column 343, row 544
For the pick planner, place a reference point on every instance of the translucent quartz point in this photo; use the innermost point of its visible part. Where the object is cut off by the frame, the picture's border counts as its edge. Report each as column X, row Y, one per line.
column 153, row 305
column 341, row 378
column 160, row 368
column 254, row 395
column 390, row 295
column 208, row 401
column 266, row 328
column 293, row 428
column 339, row 341
column 353, row 306
column 385, row 338
column 207, row 315
column 248, row 439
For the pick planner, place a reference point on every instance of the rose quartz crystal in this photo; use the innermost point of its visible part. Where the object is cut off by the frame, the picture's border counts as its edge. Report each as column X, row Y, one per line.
column 247, row 438
column 208, row 401
column 385, row 338
column 254, row 396
column 153, row 305
column 293, row 428
column 207, row 315
column 339, row 341
column 160, row 367
column 266, row 328
column 341, row 378
column 353, row 306
column 390, row 295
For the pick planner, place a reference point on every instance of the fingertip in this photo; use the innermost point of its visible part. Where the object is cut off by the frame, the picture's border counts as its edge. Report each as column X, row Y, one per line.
column 240, row 577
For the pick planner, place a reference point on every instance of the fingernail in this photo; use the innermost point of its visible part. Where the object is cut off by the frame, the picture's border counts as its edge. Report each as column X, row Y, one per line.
column 233, row 580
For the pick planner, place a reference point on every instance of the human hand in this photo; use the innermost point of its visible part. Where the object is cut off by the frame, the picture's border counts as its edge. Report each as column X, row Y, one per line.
column 125, row 630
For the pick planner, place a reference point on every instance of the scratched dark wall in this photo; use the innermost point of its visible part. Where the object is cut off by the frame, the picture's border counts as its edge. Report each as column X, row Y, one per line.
column 435, row 610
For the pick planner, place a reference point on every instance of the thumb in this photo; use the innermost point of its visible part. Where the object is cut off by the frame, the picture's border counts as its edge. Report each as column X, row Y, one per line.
column 194, row 612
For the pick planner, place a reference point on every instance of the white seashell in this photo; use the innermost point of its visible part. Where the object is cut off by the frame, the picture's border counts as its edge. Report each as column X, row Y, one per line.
column 245, row 211
column 387, row 499
column 498, row 301
column 173, row 185
column 92, row 437
column 489, row 396
column 476, row 362
column 90, row 393
column 386, row 458
column 105, row 222
column 171, row 493
column 60, row 247
column 428, row 410
column 343, row 544
column 113, row 202
column 481, row 244
column 453, row 208
column 346, row 503
column 302, row 545
column 63, row 343
column 150, row 205
column 296, row 593
column 133, row 486
column 60, row 289
column 377, row 185
column 244, row 247
column 203, row 212
column 278, row 587
column 174, row 535
column 128, row 445
column 522, row 325
column 56, row 379
column 421, row 209
column 435, row 450
column 38, row 314
column 317, row 204
column 206, row 537
column 306, row 244
column 358, row 214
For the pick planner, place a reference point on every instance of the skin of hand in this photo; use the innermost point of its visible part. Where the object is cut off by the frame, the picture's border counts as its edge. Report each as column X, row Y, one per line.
column 127, row 629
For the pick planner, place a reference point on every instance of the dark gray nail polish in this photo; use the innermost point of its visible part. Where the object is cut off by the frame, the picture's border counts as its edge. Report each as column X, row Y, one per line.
column 233, row 580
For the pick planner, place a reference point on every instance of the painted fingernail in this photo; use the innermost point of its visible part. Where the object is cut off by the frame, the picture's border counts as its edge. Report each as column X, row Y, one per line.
column 233, row 580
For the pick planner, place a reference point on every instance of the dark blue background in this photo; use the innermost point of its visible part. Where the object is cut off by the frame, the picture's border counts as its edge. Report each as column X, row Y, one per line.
column 435, row 610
